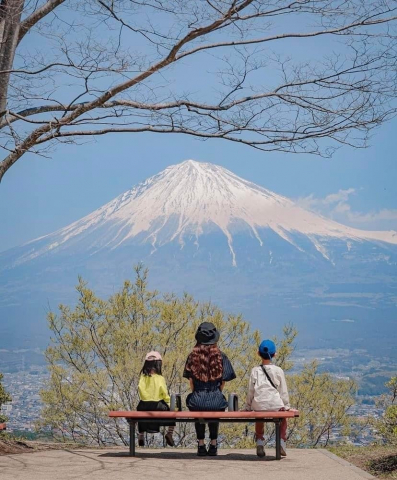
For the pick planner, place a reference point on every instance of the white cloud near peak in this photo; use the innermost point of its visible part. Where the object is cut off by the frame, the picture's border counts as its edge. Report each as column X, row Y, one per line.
column 337, row 207
column 311, row 202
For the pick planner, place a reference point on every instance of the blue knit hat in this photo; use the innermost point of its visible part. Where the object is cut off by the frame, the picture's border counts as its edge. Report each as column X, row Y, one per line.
column 267, row 349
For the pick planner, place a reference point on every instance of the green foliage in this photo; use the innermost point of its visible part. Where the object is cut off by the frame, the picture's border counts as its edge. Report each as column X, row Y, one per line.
column 387, row 424
column 285, row 347
column 98, row 348
column 20, row 435
column 323, row 401
column 97, row 352
column 4, row 398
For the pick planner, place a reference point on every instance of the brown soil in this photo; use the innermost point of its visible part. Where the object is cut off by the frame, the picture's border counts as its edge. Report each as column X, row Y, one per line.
column 10, row 446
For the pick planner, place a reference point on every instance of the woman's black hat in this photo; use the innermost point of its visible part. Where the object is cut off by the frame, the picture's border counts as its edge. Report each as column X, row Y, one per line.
column 207, row 334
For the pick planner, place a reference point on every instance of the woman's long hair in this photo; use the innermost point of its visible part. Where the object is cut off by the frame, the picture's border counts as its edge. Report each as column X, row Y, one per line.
column 205, row 363
column 151, row 366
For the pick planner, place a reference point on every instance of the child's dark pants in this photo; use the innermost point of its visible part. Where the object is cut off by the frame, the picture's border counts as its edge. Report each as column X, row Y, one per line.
column 213, row 428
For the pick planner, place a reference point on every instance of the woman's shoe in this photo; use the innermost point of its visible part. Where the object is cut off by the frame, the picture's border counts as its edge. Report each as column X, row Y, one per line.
column 169, row 440
column 201, row 451
column 213, row 450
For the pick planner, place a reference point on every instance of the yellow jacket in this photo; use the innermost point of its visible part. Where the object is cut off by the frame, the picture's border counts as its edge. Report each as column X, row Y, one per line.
column 153, row 388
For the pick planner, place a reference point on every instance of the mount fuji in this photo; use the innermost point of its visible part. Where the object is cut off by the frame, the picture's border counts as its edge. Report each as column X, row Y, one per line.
column 200, row 228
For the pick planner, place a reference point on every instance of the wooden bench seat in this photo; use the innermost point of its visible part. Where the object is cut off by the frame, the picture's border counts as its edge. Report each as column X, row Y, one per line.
column 205, row 417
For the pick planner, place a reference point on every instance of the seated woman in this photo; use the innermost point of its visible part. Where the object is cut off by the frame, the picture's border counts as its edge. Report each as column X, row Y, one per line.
column 154, row 396
column 207, row 369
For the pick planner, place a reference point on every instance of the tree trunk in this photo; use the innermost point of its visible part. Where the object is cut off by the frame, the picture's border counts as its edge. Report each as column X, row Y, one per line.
column 10, row 19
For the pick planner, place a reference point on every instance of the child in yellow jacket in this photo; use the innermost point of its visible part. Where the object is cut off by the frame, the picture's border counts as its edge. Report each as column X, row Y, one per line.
column 153, row 394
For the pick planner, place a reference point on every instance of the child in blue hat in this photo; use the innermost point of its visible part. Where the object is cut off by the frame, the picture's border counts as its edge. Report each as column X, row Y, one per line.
column 267, row 391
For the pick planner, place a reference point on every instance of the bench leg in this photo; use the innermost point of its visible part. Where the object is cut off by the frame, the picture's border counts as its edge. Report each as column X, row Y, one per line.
column 132, row 438
column 278, row 438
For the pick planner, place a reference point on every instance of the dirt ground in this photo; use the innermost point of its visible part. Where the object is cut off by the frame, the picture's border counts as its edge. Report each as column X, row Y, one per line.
column 11, row 446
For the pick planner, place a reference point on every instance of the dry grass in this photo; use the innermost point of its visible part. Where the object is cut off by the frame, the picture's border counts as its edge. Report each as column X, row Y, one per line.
column 380, row 461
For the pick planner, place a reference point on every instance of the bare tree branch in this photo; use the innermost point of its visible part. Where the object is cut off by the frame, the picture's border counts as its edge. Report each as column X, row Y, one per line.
column 36, row 16
column 106, row 66
column 253, row 41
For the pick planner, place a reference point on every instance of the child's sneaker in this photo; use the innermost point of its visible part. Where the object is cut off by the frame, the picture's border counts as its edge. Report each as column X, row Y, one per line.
column 283, row 448
column 260, row 449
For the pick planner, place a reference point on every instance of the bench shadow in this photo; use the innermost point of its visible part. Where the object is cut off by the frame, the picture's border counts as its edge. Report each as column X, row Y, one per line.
column 175, row 455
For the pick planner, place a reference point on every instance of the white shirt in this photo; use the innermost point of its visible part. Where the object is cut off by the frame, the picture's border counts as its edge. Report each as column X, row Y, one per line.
column 262, row 395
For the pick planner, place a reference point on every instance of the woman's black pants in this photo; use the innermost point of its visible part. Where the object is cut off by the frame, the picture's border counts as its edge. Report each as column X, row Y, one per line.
column 213, row 428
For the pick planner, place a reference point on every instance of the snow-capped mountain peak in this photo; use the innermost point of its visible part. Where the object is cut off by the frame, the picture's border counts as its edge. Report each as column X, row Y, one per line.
column 186, row 200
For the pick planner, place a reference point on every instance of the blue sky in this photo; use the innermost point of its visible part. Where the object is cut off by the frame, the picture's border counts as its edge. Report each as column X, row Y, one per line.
column 356, row 187
column 38, row 196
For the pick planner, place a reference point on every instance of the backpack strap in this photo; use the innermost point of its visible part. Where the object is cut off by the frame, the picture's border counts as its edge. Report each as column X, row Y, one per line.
column 268, row 377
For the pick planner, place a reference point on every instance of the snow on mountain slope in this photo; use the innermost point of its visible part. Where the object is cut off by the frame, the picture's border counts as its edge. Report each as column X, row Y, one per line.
column 189, row 199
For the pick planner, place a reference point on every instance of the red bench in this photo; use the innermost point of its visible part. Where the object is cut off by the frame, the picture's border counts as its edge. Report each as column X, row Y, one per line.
column 3, row 426
column 205, row 417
